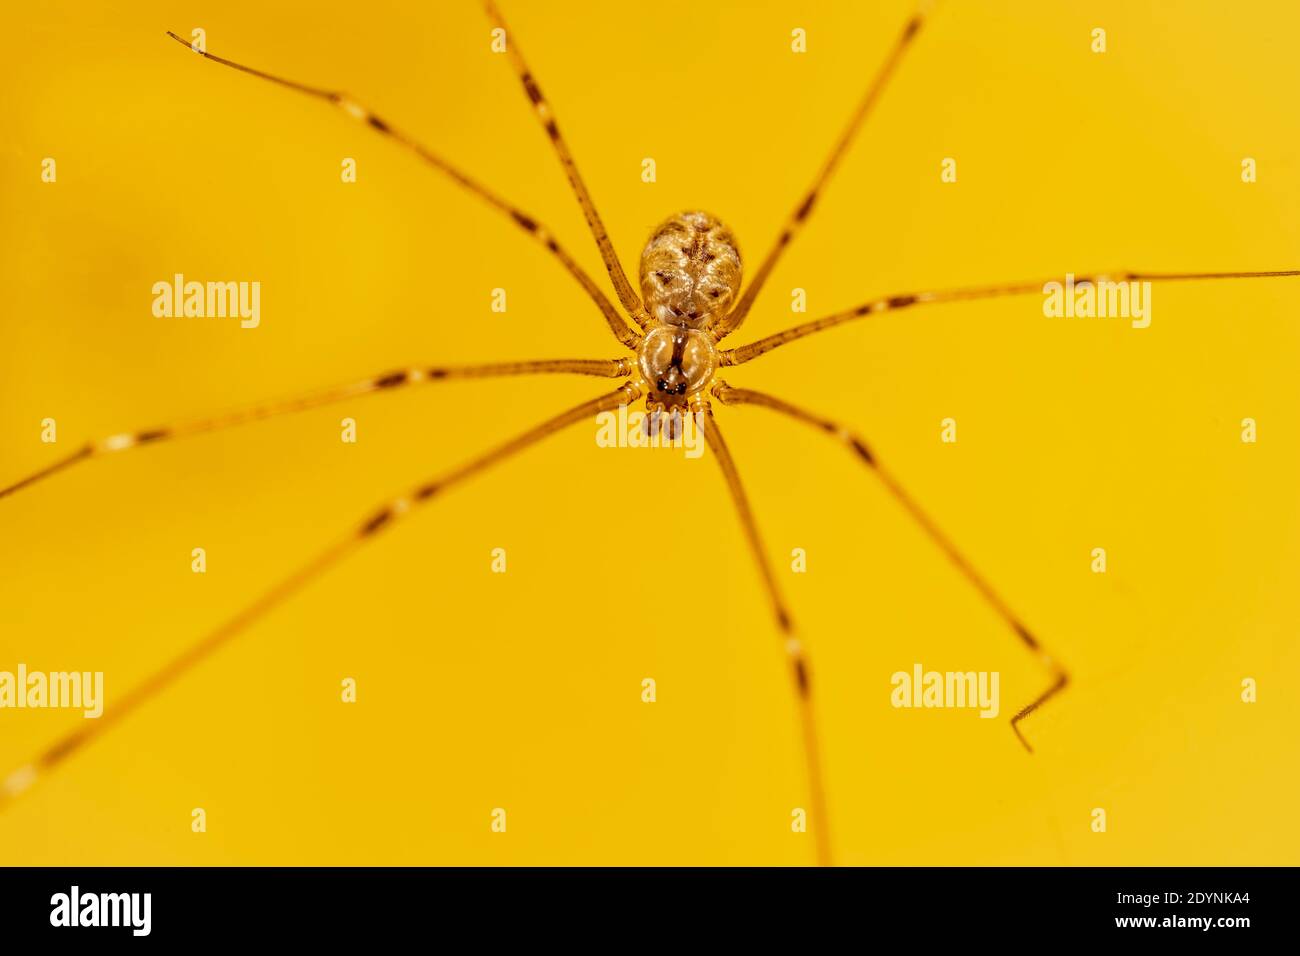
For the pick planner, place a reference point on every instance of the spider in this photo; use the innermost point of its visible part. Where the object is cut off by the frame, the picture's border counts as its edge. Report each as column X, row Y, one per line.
column 690, row 298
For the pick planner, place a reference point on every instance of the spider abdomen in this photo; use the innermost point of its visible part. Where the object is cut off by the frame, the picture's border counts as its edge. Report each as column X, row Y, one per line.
column 690, row 270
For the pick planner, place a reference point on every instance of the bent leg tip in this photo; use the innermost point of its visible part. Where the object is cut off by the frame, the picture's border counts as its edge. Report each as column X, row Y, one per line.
column 1019, row 736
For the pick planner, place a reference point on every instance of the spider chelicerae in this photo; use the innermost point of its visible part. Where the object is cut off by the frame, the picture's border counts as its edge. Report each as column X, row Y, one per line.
column 690, row 299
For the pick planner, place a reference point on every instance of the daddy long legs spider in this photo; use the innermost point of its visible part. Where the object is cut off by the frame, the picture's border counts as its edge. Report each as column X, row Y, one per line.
column 690, row 298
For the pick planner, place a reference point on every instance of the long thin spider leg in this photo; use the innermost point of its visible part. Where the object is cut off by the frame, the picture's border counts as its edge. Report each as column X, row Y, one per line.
column 385, row 516
column 604, row 368
column 799, row 216
column 626, row 294
column 745, row 396
column 617, row 324
column 796, row 654
column 746, row 353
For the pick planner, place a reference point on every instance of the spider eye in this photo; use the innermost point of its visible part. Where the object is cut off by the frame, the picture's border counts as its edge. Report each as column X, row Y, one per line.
column 715, row 293
column 665, row 279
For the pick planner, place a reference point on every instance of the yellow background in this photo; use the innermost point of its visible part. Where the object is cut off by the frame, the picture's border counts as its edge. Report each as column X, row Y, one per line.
column 522, row 690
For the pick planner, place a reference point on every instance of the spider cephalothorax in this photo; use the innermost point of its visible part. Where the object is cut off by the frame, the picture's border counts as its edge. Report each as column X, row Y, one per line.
column 676, row 364
column 690, row 270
